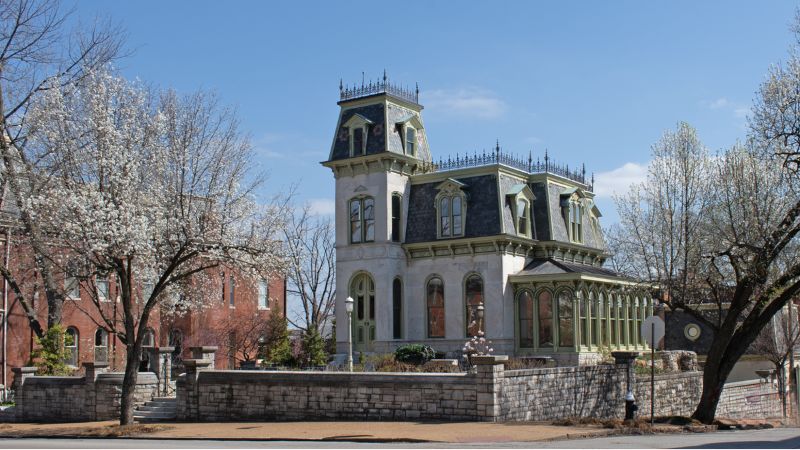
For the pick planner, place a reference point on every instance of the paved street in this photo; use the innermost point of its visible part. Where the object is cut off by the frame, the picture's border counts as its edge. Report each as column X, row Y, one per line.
column 775, row 438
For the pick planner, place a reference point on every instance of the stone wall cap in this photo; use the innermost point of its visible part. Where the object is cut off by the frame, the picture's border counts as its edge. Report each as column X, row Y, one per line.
column 165, row 349
column 196, row 363
column 489, row 359
column 205, row 348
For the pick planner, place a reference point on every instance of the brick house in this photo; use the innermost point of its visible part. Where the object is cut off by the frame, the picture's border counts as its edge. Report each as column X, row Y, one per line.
column 240, row 301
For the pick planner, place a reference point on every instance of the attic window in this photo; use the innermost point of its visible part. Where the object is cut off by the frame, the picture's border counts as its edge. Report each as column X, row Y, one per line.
column 411, row 141
column 575, row 221
column 520, row 198
column 451, row 209
column 523, row 217
column 357, row 143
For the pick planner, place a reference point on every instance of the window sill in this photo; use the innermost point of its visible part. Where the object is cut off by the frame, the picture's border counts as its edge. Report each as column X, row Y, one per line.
column 264, row 308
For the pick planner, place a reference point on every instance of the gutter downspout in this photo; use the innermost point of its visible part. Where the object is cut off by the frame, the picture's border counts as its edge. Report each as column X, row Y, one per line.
column 6, row 258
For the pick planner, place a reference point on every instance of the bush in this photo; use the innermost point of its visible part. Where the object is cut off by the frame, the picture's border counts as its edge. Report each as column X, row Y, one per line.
column 414, row 354
column 51, row 352
column 313, row 349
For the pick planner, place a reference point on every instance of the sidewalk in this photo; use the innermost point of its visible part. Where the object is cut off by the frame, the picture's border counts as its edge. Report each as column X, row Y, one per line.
column 461, row 432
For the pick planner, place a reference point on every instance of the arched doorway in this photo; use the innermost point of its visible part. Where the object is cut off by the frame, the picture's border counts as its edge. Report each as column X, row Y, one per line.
column 362, row 289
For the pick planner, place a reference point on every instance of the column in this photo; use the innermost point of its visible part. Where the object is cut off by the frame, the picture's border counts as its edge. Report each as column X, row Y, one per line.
column 489, row 380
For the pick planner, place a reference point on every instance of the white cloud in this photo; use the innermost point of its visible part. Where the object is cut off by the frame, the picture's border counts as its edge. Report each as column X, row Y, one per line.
column 322, row 206
column 617, row 181
column 721, row 102
column 465, row 102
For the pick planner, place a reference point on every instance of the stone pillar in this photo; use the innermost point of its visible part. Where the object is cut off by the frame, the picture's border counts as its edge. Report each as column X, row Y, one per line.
column 188, row 394
column 161, row 365
column 205, row 352
column 626, row 359
column 91, row 370
column 489, row 380
column 18, row 385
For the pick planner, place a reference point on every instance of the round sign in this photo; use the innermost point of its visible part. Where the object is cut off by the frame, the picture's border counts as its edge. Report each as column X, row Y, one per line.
column 651, row 324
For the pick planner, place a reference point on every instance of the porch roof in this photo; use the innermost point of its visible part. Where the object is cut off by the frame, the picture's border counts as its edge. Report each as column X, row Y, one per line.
column 551, row 269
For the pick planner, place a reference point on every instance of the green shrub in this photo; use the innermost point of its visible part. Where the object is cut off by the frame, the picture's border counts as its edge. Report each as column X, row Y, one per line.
column 50, row 354
column 414, row 354
column 313, row 353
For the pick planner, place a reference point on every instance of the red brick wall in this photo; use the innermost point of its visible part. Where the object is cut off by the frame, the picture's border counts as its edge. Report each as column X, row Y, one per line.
column 198, row 327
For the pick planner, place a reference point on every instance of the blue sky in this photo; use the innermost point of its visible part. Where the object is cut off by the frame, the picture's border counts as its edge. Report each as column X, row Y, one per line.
column 593, row 82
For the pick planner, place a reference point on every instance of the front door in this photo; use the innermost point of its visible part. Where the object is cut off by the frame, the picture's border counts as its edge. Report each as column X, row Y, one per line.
column 363, row 292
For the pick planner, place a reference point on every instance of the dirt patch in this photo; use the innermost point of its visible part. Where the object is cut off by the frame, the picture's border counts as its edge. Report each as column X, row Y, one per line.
column 670, row 424
column 100, row 430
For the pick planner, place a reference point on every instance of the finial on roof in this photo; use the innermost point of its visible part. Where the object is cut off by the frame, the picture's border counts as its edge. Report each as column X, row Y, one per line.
column 530, row 160
column 593, row 181
column 497, row 146
column 583, row 171
column 384, row 75
column 546, row 161
column 417, row 89
column 341, row 86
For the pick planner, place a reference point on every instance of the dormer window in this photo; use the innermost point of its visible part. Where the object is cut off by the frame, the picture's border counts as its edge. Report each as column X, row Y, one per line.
column 451, row 209
column 576, row 221
column 362, row 220
column 523, row 217
column 411, row 141
column 358, row 128
column 520, row 198
column 573, row 203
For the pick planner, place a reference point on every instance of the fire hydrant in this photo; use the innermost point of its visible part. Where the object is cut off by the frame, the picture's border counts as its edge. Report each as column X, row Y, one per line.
column 630, row 406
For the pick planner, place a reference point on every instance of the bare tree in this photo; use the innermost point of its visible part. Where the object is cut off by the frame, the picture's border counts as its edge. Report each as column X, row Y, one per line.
column 714, row 229
column 155, row 190
column 312, row 270
column 777, row 342
column 38, row 53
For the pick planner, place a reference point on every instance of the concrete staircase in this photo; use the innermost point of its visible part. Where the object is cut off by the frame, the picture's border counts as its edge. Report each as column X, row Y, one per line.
column 158, row 409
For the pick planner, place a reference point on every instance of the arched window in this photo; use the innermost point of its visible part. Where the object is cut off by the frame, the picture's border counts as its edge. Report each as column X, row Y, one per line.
column 397, row 202
column 566, row 323
column 544, row 308
column 100, row 345
column 435, row 305
column 583, row 314
column 362, row 220
column 612, row 318
column 593, row 318
column 71, row 344
column 397, row 309
column 473, row 292
column 525, row 317
column 149, row 338
column 175, row 339
column 444, row 216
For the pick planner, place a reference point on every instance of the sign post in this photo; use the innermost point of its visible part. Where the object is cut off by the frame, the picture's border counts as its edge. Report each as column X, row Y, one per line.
column 652, row 332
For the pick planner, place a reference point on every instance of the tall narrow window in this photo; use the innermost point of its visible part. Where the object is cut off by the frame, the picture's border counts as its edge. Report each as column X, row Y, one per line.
column 593, row 317
column 566, row 329
column 633, row 332
column 473, row 291
column 544, row 306
column 397, row 309
column 602, row 321
column 396, row 204
column 444, row 214
column 576, row 222
column 362, row 220
column 231, row 291
column 100, row 345
column 525, row 317
column 355, row 221
column 435, row 304
column 522, row 217
column 411, row 141
column 103, row 289
column 639, row 314
column 71, row 286
column 582, row 311
column 456, row 216
column 612, row 319
column 263, row 294
column 71, row 343
column 358, row 141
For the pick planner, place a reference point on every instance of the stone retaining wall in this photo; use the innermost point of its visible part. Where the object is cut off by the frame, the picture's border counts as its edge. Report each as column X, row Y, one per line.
column 95, row 396
column 748, row 399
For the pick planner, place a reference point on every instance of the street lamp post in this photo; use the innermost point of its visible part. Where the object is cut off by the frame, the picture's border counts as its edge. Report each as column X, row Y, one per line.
column 348, row 305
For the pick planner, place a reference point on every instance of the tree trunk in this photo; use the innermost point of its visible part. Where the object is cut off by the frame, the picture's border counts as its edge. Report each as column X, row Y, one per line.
column 133, row 355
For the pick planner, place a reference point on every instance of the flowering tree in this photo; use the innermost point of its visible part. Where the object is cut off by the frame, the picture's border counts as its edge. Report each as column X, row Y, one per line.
column 152, row 189
column 714, row 230
column 37, row 52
